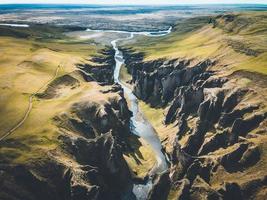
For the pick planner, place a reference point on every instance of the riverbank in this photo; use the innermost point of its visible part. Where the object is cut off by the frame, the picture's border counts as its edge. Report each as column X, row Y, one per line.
column 139, row 124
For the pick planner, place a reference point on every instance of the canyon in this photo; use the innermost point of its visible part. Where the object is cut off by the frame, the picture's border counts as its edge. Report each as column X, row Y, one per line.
column 177, row 114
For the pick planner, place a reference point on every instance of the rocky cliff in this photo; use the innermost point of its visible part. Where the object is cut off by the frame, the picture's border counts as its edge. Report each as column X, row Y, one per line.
column 219, row 146
column 102, row 68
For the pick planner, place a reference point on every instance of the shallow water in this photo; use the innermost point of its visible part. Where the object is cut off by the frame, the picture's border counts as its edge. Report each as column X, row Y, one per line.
column 139, row 124
column 16, row 25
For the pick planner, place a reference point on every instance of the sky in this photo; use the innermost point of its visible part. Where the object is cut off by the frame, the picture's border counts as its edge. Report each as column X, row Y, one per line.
column 139, row 2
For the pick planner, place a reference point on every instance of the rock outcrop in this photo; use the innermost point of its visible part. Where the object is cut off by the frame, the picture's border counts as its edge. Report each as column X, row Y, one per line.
column 102, row 68
column 89, row 163
column 214, row 123
column 92, row 135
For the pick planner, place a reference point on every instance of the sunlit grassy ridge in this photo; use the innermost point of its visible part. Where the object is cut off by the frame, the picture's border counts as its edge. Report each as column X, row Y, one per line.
column 236, row 40
column 26, row 65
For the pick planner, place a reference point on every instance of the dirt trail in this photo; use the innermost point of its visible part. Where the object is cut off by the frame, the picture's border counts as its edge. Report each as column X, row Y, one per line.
column 30, row 103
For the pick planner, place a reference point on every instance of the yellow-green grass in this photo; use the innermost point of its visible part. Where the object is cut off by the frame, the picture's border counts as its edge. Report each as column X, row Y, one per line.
column 156, row 118
column 23, row 71
column 39, row 135
column 125, row 76
column 227, row 42
column 256, row 171
column 221, row 176
column 154, row 115
column 26, row 65
column 142, row 160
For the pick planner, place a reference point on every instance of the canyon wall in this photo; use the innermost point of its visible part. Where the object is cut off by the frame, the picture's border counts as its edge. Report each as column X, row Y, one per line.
column 218, row 148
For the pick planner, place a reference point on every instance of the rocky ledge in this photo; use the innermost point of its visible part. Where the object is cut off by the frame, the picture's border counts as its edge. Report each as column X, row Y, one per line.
column 218, row 149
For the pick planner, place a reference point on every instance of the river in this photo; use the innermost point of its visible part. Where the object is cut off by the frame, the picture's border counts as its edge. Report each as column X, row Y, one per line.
column 139, row 124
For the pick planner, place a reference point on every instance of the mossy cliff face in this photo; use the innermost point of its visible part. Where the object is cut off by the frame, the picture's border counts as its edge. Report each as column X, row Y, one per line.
column 214, row 123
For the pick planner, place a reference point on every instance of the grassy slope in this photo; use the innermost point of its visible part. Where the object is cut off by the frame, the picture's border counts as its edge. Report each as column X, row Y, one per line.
column 26, row 64
column 229, row 42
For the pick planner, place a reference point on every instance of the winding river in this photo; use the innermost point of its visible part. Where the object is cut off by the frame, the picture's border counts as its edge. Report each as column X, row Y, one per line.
column 139, row 124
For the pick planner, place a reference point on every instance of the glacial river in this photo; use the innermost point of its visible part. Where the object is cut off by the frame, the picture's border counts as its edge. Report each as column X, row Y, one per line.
column 139, row 124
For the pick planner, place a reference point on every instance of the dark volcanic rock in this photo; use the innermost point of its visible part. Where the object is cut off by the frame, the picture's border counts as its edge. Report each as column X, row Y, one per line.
column 201, row 190
column 252, row 186
column 214, row 123
column 103, row 70
column 183, row 188
column 215, row 142
column 231, row 191
column 227, row 119
column 250, row 157
column 88, row 163
column 231, row 160
column 156, row 81
column 160, row 187
column 107, row 171
column 233, row 99
column 242, row 127
column 18, row 182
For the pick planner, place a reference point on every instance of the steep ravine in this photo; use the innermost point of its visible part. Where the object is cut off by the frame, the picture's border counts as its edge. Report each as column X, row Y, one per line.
column 92, row 135
column 219, row 146
column 141, row 127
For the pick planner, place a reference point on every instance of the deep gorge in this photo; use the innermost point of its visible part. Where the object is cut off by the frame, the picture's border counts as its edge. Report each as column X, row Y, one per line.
column 179, row 114
column 210, row 115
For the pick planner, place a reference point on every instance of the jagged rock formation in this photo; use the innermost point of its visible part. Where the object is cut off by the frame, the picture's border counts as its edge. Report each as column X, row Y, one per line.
column 103, row 137
column 214, row 121
column 102, row 69
column 89, row 164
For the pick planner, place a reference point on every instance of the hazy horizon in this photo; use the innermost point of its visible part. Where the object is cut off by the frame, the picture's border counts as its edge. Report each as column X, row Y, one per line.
column 135, row 2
